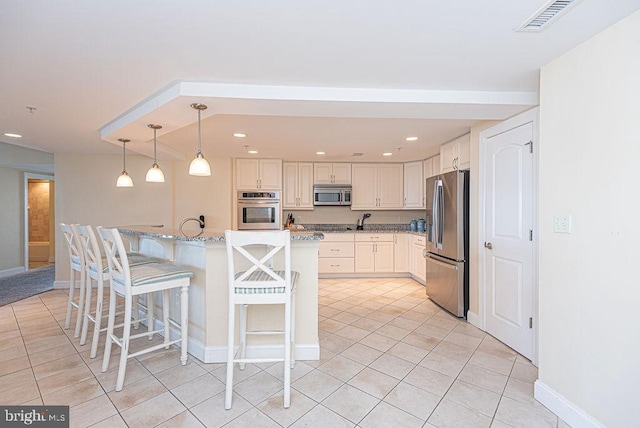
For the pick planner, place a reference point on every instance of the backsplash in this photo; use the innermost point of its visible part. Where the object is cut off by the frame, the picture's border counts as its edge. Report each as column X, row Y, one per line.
column 344, row 215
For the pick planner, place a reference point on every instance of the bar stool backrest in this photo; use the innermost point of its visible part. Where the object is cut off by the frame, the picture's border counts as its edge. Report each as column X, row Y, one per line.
column 74, row 246
column 116, row 257
column 91, row 249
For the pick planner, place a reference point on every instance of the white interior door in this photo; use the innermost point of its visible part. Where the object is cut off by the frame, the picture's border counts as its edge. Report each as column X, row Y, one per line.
column 508, row 237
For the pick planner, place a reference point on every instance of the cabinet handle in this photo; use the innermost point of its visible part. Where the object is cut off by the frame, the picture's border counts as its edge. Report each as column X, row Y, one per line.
column 405, row 202
column 424, row 201
column 335, row 249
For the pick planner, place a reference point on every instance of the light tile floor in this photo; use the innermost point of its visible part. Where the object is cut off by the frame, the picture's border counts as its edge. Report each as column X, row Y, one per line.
column 389, row 358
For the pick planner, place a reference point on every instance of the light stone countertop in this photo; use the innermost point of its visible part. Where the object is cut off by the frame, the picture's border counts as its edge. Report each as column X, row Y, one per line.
column 208, row 235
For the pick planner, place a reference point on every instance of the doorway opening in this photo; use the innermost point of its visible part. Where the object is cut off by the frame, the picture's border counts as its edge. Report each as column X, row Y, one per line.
column 39, row 222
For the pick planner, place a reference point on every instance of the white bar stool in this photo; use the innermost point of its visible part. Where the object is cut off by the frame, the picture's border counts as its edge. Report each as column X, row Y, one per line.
column 97, row 269
column 129, row 281
column 260, row 284
column 76, row 265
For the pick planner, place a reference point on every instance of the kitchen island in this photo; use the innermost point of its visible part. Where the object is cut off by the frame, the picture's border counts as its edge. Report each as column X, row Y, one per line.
column 206, row 256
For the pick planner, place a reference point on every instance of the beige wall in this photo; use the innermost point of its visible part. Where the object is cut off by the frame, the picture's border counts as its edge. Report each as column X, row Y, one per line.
column 589, row 286
column 86, row 193
column 344, row 215
column 11, row 219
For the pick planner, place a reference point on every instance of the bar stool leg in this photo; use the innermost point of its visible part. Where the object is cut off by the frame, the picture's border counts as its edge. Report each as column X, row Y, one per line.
column 110, row 324
column 76, row 333
column 126, row 331
column 243, row 334
column 165, row 317
column 184, row 323
column 293, row 330
column 72, row 288
column 87, row 310
column 97, row 325
column 150, row 308
column 287, row 357
column 230, row 345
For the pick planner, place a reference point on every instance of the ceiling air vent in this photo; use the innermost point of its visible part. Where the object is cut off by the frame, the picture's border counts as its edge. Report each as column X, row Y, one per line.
column 357, row 154
column 546, row 15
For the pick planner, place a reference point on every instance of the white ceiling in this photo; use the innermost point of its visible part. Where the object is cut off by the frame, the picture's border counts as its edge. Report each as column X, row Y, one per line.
column 101, row 71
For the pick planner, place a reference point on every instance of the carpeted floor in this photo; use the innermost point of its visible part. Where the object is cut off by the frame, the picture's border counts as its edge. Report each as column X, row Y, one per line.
column 27, row 284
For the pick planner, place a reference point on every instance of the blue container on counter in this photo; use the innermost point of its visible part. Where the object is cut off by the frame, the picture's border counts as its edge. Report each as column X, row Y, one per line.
column 421, row 225
column 413, row 226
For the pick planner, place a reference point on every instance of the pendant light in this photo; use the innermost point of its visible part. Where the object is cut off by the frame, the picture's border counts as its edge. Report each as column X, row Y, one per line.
column 155, row 175
column 199, row 165
column 124, row 180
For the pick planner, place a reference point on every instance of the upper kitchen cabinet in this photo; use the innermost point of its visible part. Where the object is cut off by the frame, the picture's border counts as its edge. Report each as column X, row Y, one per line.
column 377, row 186
column 432, row 166
column 413, row 185
column 259, row 174
column 331, row 173
column 455, row 155
column 297, row 190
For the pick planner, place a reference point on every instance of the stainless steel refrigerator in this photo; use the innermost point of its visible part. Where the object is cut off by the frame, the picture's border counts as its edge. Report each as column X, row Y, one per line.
column 447, row 252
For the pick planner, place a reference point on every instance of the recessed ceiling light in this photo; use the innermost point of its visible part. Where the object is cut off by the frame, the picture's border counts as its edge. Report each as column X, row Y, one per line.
column 411, row 138
column 9, row 134
column 239, row 135
column 253, row 152
column 320, row 153
column 387, row 154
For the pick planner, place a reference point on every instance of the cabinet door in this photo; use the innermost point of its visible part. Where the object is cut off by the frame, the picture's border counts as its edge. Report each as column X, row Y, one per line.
column 436, row 165
column 390, row 185
column 290, row 190
column 305, row 185
column 383, row 256
column 270, row 174
column 448, row 155
column 428, row 167
column 364, row 187
column 247, row 174
column 342, row 173
column 420, row 262
column 365, row 258
column 464, row 148
column 413, row 185
column 322, row 173
column 401, row 252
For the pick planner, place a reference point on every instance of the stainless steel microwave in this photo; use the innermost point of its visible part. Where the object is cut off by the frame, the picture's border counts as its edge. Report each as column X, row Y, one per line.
column 332, row 195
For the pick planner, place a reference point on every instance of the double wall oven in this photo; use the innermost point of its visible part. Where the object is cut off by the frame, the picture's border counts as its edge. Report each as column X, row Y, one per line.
column 258, row 210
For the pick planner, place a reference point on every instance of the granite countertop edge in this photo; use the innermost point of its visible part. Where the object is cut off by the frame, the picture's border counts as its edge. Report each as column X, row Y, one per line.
column 206, row 236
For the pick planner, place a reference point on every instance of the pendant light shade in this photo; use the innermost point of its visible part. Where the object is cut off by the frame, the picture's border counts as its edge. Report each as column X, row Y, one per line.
column 199, row 165
column 124, row 180
column 155, row 175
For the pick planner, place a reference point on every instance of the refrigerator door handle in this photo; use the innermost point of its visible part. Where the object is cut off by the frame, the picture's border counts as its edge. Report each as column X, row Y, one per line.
column 443, row 264
column 439, row 196
column 435, row 213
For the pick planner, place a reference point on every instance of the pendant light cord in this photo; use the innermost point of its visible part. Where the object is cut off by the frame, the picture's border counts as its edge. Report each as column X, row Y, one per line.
column 124, row 157
column 155, row 158
column 199, row 151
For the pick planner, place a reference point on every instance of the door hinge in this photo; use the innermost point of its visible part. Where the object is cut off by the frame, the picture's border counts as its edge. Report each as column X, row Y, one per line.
column 530, row 322
column 530, row 235
column 530, row 144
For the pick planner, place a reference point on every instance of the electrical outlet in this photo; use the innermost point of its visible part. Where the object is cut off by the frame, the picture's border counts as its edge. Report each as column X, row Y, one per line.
column 562, row 223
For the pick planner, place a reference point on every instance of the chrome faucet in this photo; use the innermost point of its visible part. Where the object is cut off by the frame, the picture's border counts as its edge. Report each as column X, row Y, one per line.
column 360, row 224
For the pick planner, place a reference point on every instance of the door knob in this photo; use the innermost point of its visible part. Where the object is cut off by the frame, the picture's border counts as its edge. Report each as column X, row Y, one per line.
column 488, row 245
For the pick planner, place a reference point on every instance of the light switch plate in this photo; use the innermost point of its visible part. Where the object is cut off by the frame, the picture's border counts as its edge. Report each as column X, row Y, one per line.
column 562, row 223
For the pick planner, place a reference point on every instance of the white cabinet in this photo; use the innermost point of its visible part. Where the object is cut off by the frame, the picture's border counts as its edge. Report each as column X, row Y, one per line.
column 454, row 155
column 258, row 174
column 297, row 189
column 374, row 253
column 377, row 186
column 336, row 253
column 414, row 185
column 401, row 252
column 432, row 166
column 332, row 173
column 418, row 263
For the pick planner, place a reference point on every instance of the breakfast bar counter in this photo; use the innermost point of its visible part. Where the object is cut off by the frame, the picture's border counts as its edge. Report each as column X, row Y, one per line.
column 206, row 256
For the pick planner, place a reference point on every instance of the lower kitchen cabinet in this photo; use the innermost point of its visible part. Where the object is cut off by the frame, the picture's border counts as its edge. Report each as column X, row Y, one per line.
column 374, row 253
column 418, row 263
column 336, row 253
column 401, row 252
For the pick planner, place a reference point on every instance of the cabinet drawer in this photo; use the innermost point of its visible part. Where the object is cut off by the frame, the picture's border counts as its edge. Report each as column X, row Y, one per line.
column 374, row 237
column 336, row 249
column 337, row 237
column 419, row 240
column 336, row 265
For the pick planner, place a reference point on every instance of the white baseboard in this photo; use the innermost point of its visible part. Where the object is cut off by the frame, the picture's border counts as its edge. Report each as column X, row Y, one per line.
column 473, row 319
column 52, row 259
column 63, row 285
column 563, row 408
column 11, row 271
